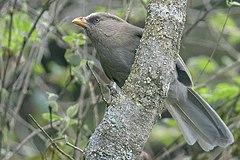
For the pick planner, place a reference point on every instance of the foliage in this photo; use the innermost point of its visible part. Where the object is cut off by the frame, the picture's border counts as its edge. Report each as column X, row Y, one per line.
column 231, row 3
column 44, row 72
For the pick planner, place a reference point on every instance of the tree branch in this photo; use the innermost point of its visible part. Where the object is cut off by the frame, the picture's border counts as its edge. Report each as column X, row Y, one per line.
column 129, row 119
column 25, row 39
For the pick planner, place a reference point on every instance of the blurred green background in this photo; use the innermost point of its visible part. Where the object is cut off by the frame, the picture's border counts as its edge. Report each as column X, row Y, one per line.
column 44, row 72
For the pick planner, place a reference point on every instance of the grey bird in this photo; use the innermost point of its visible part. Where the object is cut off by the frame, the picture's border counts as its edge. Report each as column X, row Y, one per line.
column 116, row 42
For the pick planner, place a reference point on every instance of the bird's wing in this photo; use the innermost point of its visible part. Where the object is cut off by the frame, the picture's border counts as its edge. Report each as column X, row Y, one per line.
column 138, row 31
column 183, row 73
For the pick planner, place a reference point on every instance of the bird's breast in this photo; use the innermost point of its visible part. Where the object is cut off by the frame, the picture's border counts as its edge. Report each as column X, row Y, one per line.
column 116, row 63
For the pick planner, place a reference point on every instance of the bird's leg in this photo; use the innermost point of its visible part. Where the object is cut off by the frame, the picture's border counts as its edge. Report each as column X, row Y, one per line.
column 113, row 88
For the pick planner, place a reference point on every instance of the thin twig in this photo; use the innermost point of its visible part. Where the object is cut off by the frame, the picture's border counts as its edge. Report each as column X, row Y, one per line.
column 25, row 140
column 170, row 150
column 215, row 48
column 9, row 41
column 25, row 39
column 71, row 145
column 51, row 140
column 233, row 106
column 3, row 76
column 128, row 10
column 144, row 4
column 219, row 73
column 43, row 131
column 229, row 48
column 50, row 112
column 200, row 19
column 25, row 80
column 94, row 100
column 79, row 123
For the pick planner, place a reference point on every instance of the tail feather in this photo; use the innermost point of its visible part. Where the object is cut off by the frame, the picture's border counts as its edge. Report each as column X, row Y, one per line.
column 206, row 146
column 225, row 136
column 197, row 120
column 188, row 132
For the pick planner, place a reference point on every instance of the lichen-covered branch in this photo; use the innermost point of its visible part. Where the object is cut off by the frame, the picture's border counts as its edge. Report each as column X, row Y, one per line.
column 129, row 119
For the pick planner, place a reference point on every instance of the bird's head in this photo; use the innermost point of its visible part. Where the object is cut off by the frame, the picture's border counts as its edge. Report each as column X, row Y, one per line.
column 100, row 26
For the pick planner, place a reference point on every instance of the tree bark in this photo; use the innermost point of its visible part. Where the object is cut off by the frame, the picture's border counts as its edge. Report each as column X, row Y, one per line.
column 129, row 119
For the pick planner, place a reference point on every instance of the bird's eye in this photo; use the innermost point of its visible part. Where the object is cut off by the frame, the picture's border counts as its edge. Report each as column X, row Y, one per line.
column 96, row 20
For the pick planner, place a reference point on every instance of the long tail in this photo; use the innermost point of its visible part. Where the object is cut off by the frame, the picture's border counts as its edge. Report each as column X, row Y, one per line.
column 197, row 120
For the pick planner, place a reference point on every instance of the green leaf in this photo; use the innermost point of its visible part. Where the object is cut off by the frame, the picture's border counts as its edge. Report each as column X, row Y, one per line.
column 77, row 39
column 223, row 91
column 84, row 62
column 52, row 96
column 81, row 42
column 54, row 116
column 170, row 122
column 197, row 64
column 69, row 39
column 205, row 93
column 54, row 105
column 145, row 1
column 162, row 134
column 237, row 109
column 38, row 68
column 77, row 72
column 58, row 74
column 231, row 30
column 72, row 121
column 22, row 23
column 79, row 36
column 72, row 111
column 72, row 59
column 231, row 3
column 4, row 92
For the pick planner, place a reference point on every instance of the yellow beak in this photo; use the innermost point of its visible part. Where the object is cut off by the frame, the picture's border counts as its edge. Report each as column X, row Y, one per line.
column 81, row 21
